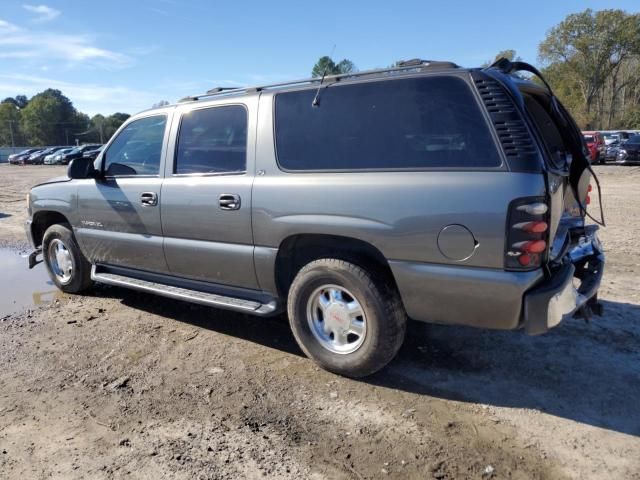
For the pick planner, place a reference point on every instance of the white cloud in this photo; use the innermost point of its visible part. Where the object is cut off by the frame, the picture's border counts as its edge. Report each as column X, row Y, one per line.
column 7, row 28
column 43, row 13
column 18, row 43
column 89, row 98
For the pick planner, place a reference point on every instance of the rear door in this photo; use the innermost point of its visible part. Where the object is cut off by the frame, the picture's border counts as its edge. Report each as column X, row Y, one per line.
column 206, row 196
column 565, row 210
column 119, row 215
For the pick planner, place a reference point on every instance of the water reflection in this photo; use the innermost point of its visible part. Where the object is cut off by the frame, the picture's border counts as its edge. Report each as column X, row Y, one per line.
column 40, row 298
column 21, row 288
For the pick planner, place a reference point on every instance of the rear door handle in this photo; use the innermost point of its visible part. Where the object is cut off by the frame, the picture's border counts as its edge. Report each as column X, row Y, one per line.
column 149, row 199
column 229, row 201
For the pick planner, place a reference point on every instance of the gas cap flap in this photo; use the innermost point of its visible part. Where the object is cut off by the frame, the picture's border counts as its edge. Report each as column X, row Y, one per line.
column 456, row 242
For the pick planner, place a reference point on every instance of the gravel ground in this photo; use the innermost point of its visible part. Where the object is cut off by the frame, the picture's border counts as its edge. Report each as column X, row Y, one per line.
column 121, row 383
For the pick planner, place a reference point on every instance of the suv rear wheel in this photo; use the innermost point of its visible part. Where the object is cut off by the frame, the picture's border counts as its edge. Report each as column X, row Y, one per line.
column 344, row 318
column 67, row 266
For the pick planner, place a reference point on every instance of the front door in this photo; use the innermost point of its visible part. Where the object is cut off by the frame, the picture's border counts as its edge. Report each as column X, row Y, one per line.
column 206, row 196
column 119, row 214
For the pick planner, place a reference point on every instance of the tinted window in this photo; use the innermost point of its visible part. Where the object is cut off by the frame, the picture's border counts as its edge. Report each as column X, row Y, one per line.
column 212, row 140
column 136, row 150
column 408, row 123
column 635, row 139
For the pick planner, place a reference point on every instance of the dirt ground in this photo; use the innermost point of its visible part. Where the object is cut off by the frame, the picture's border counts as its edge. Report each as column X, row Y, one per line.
column 120, row 383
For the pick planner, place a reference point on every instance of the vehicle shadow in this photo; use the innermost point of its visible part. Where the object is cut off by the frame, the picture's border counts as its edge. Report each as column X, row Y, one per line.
column 589, row 373
column 272, row 332
column 586, row 372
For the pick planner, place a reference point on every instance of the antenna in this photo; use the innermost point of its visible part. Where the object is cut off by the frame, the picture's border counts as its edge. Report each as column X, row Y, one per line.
column 316, row 99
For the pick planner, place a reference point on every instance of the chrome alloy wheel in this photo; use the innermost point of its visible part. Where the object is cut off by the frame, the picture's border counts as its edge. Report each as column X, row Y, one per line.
column 60, row 260
column 336, row 319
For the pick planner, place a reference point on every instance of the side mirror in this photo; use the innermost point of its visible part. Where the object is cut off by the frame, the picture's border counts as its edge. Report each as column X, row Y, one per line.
column 82, row 168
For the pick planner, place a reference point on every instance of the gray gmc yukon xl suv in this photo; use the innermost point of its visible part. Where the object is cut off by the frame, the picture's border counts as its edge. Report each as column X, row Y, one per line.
column 352, row 202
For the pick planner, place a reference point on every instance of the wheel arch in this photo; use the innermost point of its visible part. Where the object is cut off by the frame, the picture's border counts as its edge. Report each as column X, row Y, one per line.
column 295, row 251
column 43, row 220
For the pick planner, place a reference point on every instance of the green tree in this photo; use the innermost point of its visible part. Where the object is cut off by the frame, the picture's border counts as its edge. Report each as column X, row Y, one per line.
column 50, row 119
column 325, row 65
column 19, row 101
column 10, row 134
column 632, row 119
column 592, row 46
column 22, row 101
column 113, row 123
column 98, row 123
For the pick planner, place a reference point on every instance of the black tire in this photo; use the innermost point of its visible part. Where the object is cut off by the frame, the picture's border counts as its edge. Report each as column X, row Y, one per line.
column 386, row 319
column 80, row 276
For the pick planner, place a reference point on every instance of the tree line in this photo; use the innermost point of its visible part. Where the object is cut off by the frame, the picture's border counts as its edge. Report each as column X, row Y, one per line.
column 49, row 118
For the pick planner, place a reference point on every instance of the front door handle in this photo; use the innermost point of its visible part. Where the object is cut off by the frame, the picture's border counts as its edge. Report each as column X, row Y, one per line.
column 229, row 201
column 149, row 199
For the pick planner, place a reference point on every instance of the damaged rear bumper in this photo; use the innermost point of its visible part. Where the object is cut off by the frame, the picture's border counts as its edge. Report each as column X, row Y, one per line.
column 558, row 296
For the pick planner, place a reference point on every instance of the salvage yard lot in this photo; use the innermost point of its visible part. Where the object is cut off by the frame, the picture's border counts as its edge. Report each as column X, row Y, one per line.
column 119, row 382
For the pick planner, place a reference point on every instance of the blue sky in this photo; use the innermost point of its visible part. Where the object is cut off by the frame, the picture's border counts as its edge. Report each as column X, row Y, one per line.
column 116, row 55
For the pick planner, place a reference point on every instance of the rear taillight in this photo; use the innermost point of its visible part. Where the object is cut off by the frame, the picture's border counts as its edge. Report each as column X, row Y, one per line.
column 527, row 233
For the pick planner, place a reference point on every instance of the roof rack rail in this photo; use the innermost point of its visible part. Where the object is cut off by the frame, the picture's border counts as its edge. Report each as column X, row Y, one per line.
column 407, row 65
column 220, row 89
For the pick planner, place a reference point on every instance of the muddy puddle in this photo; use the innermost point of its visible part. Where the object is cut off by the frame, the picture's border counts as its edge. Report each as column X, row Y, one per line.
column 21, row 288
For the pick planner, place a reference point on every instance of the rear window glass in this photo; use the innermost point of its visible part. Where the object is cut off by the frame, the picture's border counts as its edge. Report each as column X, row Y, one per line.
column 212, row 140
column 397, row 124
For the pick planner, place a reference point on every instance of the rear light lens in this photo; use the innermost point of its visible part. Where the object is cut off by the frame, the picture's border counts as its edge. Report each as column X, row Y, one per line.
column 527, row 233
column 532, row 227
column 534, row 208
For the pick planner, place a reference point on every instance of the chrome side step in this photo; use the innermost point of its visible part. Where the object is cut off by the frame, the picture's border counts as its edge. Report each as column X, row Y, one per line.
column 179, row 293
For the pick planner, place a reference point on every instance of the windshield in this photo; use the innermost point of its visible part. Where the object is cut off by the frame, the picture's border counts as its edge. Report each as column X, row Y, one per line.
column 588, row 138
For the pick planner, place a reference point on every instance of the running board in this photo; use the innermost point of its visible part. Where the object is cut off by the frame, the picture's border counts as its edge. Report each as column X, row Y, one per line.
column 179, row 293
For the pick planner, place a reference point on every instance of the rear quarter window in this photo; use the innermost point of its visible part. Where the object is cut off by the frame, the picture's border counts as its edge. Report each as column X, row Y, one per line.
column 428, row 122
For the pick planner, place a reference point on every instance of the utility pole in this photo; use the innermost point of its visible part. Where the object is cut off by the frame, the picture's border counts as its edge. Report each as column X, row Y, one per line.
column 10, row 122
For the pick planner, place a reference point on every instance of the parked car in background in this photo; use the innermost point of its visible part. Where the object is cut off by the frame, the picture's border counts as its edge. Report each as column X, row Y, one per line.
column 93, row 154
column 611, row 151
column 26, row 159
column 629, row 153
column 37, row 158
column 55, row 158
column 17, row 158
column 595, row 144
column 610, row 138
column 624, row 136
column 77, row 152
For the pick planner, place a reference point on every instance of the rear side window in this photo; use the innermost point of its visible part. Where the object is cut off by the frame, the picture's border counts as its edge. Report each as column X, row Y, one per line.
column 550, row 132
column 212, row 140
column 396, row 124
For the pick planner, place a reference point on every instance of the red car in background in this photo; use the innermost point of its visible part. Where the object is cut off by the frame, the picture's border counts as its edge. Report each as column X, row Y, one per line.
column 596, row 146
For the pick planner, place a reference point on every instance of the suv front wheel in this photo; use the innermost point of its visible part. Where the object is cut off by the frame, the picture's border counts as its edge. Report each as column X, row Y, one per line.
column 344, row 318
column 66, row 265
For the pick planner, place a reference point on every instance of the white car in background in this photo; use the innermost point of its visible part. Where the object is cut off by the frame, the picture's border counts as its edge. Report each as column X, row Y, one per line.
column 55, row 158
